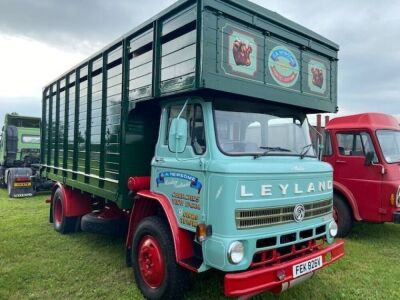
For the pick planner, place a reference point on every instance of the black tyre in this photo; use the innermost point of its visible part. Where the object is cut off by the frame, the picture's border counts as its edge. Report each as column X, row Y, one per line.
column 10, row 189
column 157, row 274
column 342, row 215
column 92, row 223
column 3, row 185
column 61, row 223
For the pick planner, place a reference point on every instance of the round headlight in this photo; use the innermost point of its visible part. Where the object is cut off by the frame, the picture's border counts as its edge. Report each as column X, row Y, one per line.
column 398, row 197
column 236, row 252
column 333, row 228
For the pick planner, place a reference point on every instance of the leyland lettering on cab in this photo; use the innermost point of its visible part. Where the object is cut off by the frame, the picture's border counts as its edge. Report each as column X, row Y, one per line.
column 267, row 189
column 199, row 155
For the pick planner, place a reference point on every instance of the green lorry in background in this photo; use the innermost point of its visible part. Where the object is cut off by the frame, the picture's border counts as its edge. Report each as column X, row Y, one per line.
column 189, row 136
column 20, row 156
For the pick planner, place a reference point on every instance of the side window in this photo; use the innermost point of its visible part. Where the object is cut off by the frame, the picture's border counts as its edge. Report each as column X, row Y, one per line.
column 347, row 143
column 368, row 145
column 327, row 151
column 355, row 144
column 196, row 132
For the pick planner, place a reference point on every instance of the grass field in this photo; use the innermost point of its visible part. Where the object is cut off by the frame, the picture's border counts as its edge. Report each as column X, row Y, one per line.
column 38, row 263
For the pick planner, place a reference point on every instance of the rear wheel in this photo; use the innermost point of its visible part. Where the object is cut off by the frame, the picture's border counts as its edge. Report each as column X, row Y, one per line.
column 342, row 215
column 157, row 274
column 63, row 224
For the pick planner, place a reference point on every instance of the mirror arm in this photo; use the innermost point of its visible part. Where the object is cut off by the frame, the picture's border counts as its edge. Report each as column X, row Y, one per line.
column 178, row 117
column 320, row 145
column 183, row 108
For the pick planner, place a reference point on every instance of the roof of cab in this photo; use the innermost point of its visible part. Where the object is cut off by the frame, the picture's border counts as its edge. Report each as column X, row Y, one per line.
column 365, row 120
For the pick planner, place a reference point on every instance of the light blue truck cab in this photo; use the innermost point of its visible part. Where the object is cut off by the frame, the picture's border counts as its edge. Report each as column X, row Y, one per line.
column 246, row 171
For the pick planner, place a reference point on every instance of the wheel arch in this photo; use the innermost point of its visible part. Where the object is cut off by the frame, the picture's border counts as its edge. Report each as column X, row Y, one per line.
column 148, row 204
column 76, row 203
column 348, row 197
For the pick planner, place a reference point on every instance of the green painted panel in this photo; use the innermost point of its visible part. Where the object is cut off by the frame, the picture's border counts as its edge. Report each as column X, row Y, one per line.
column 265, row 66
column 141, row 40
column 141, row 59
column 180, row 19
column 179, row 42
column 316, row 75
column 141, row 70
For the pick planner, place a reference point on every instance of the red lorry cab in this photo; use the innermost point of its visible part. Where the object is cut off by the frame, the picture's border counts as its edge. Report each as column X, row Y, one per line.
column 364, row 151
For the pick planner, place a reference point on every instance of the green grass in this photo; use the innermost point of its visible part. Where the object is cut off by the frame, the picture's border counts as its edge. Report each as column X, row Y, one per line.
column 38, row 263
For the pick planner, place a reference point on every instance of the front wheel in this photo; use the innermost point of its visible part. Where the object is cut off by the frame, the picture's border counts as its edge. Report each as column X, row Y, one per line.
column 157, row 274
column 342, row 215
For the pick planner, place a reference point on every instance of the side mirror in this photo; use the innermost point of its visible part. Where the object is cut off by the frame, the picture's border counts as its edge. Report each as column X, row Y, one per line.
column 369, row 158
column 178, row 135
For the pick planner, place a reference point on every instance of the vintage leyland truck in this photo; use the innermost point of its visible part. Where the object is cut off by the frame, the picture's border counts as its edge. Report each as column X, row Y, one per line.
column 189, row 136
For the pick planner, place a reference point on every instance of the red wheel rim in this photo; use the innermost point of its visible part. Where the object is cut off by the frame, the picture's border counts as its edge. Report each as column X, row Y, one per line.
column 57, row 211
column 335, row 215
column 151, row 261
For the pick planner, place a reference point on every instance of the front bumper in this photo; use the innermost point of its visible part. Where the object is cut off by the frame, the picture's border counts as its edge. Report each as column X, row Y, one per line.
column 396, row 217
column 266, row 278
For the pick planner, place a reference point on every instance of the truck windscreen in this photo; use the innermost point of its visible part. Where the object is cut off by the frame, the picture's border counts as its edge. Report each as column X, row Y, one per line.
column 24, row 122
column 389, row 141
column 255, row 133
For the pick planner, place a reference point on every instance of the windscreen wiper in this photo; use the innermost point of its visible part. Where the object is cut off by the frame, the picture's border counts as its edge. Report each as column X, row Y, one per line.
column 271, row 149
column 305, row 150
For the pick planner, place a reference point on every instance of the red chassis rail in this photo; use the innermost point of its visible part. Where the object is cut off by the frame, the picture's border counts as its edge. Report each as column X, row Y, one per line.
column 266, row 278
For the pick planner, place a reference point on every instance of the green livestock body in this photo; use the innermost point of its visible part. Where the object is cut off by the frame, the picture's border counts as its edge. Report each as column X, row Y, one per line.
column 97, row 128
column 28, row 137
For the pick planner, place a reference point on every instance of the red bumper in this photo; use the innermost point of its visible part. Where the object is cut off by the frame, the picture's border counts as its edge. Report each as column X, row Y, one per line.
column 262, row 279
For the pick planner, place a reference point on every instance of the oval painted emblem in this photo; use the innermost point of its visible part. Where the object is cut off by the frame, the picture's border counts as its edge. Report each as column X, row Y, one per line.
column 299, row 212
column 283, row 66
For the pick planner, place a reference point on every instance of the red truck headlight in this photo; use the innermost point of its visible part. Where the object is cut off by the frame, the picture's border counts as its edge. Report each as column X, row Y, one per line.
column 398, row 197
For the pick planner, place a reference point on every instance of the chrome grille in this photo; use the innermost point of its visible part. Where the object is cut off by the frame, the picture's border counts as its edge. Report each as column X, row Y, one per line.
column 261, row 217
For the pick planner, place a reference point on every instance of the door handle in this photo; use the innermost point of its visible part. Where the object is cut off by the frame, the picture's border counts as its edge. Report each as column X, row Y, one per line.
column 159, row 159
column 341, row 162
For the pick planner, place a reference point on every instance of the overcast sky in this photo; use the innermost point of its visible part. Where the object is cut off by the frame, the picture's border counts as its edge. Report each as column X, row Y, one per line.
column 40, row 39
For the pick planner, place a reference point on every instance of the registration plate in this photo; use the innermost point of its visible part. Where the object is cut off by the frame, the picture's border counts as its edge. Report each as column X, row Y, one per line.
column 19, row 184
column 307, row 266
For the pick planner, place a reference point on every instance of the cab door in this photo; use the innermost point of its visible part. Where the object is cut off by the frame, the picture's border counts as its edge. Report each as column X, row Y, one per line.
column 180, row 174
column 365, row 182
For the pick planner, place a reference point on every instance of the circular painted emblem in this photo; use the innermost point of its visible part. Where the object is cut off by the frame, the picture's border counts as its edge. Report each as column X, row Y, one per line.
column 283, row 66
column 299, row 212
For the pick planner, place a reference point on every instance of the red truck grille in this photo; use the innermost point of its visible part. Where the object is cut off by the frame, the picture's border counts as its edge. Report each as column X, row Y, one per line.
column 286, row 253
